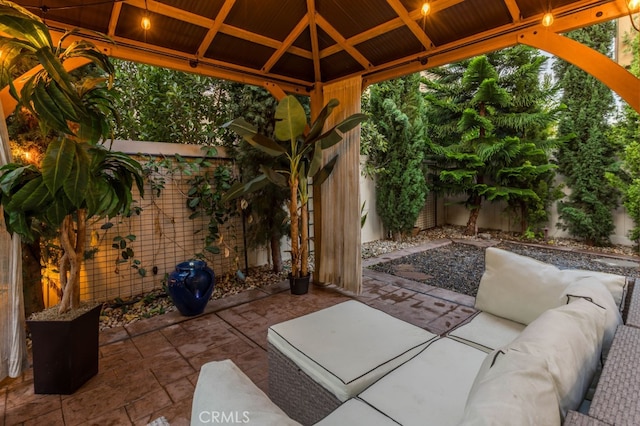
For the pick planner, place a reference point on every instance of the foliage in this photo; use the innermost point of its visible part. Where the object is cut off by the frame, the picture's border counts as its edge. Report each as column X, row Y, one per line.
column 301, row 144
column 78, row 178
column 397, row 108
column 265, row 209
column 162, row 105
column 491, row 125
column 373, row 143
column 589, row 153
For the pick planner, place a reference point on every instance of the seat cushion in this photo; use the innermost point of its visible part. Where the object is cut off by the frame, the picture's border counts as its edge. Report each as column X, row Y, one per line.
column 429, row 389
column 487, row 332
column 348, row 346
column 224, row 394
column 517, row 287
column 356, row 412
column 517, row 389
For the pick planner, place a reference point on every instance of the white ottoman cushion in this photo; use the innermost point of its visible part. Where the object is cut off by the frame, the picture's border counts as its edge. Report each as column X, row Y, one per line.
column 349, row 346
column 517, row 287
column 225, row 395
column 356, row 412
column 431, row 388
column 487, row 332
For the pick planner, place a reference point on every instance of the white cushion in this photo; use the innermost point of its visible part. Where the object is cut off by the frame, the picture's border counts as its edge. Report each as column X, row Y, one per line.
column 569, row 338
column 616, row 284
column 517, row 390
column 516, row 287
column 431, row 388
column 349, row 346
column 356, row 412
column 593, row 290
column 224, row 394
column 487, row 332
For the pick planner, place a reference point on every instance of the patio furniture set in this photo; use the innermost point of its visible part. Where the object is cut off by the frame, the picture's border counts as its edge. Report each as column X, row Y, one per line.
column 532, row 355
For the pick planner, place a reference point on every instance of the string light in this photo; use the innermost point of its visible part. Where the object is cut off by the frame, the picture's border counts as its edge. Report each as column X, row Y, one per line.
column 633, row 5
column 426, row 8
column 547, row 19
column 145, row 23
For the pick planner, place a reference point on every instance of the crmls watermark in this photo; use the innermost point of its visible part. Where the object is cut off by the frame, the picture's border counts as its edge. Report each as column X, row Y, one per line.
column 224, row 417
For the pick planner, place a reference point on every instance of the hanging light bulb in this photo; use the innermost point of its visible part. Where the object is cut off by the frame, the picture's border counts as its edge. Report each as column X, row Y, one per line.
column 633, row 5
column 145, row 23
column 426, row 8
column 547, row 19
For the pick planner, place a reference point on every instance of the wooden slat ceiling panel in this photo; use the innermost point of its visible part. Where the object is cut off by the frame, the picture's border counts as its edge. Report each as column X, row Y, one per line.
column 339, row 65
column 95, row 18
column 238, row 51
column 294, row 66
column 206, row 8
column 465, row 19
column 271, row 18
column 165, row 31
column 385, row 48
column 530, row 8
column 354, row 17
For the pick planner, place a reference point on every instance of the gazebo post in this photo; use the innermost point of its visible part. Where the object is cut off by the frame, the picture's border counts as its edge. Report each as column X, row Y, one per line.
column 317, row 102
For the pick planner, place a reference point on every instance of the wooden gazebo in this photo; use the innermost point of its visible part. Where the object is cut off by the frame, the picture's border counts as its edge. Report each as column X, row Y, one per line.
column 335, row 48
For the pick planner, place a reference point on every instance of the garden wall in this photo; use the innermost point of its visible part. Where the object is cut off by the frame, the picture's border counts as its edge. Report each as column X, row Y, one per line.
column 161, row 236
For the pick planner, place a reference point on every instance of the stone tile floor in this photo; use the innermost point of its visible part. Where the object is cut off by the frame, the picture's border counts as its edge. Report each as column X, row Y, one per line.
column 149, row 368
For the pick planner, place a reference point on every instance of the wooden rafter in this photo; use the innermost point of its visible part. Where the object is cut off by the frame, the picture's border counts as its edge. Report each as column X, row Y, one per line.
column 313, row 31
column 339, row 38
column 387, row 27
column 286, row 43
column 514, row 10
column 410, row 23
column 217, row 24
column 113, row 19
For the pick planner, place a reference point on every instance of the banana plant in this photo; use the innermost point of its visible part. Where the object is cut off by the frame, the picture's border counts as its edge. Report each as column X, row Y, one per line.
column 78, row 178
column 302, row 145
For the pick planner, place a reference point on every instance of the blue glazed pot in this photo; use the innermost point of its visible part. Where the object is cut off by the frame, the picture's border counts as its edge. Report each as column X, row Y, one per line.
column 190, row 286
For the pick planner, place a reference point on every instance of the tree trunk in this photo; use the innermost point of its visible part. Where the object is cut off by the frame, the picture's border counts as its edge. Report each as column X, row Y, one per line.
column 276, row 254
column 293, row 216
column 72, row 242
column 472, row 223
column 304, row 240
column 32, row 278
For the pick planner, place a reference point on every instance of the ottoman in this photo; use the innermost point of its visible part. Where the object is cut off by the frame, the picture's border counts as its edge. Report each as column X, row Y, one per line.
column 320, row 360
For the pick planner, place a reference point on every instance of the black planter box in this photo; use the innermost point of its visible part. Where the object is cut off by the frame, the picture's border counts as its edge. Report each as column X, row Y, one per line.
column 65, row 353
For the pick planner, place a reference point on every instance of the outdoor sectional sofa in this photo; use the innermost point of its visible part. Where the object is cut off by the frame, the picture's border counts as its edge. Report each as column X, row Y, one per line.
column 530, row 356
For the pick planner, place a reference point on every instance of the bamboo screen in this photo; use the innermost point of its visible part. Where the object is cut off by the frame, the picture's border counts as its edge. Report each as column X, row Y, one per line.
column 164, row 236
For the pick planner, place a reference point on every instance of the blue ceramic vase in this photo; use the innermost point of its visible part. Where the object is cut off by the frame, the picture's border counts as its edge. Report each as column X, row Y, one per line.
column 190, row 286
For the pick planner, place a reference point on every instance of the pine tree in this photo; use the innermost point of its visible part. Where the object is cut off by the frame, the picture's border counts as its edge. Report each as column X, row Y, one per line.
column 488, row 118
column 398, row 110
column 589, row 152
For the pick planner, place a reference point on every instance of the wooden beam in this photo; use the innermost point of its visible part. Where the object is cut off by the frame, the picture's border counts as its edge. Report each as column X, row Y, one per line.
column 514, row 10
column 286, row 43
column 593, row 62
column 217, row 24
column 335, row 34
column 265, row 41
column 113, row 19
column 410, row 23
column 313, row 32
column 275, row 90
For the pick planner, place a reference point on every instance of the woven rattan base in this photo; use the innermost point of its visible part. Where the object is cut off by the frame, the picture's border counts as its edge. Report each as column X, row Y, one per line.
column 301, row 397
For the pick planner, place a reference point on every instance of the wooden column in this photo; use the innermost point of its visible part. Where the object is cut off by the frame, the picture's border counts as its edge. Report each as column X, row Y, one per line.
column 317, row 102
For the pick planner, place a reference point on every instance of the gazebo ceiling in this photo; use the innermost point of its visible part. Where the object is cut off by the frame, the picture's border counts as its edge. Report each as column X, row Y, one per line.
column 296, row 43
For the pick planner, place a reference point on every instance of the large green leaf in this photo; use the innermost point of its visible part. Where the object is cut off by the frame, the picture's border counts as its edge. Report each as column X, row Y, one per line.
column 239, row 189
column 58, row 162
column 251, row 135
column 324, row 173
column 22, row 24
column 291, row 119
column 34, row 196
column 332, row 137
column 274, row 176
column 75, row 186
column 317, row 126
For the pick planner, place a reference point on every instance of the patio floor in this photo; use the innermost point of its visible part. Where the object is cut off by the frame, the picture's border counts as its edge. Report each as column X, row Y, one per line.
column 149, row 368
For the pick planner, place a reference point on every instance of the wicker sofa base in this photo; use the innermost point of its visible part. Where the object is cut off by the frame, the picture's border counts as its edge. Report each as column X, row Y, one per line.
column 301, row 397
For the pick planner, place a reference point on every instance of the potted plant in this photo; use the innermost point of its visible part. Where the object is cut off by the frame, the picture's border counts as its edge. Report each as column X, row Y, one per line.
column 78, row 179
column 302, row 145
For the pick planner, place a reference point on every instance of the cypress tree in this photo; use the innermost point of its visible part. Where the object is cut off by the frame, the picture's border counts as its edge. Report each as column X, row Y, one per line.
column 589, row 152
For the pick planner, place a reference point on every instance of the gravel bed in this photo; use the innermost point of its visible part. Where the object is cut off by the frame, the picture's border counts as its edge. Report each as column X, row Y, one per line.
column 459, row 266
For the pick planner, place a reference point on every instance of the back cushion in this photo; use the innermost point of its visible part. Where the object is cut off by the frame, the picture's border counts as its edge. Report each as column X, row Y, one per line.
column 594, row 291
column 569, row 338
column 517, row 287
column 516, row 390
column 616, row 284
